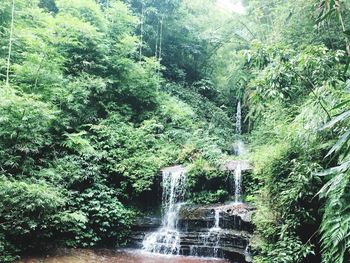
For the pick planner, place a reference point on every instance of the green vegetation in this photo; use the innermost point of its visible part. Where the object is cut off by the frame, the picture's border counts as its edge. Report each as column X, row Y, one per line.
column 97, row 96
column 87, row 120
column 295, row 92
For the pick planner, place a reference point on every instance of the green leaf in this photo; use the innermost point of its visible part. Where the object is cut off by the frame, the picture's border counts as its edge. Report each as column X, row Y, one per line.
column 322, row 17
column 345, row 115
column 340, row 143
column 347, row 65
column 340, row 105
column 347, row 32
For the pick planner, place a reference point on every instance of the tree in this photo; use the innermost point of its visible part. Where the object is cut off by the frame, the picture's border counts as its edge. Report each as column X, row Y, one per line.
column 10, row 43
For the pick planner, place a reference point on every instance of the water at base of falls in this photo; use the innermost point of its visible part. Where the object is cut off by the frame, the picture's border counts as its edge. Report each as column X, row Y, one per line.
column 113, row 256
column 167, row 239
column 164, row 241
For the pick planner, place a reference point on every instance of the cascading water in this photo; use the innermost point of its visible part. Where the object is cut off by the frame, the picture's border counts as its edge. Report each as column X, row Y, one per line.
column 210, row 240
column 217, row 220
column 239, row 118
column 167, row 239
column 215, row 231
column 238, row 183
column 219, row 231
column 210, row 234
column 239, row 149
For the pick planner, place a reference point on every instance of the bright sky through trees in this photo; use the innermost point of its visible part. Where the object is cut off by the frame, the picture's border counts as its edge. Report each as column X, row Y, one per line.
column 232, row 6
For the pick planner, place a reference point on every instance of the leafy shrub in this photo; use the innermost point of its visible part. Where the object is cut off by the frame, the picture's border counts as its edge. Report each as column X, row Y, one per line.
column 209, row 197
column 24, row 128
column 8, row 251
column 206, row 184
column 36, row 206
column 132, row 154
column 107, row 220
column 94, row 215
column 214, row 120
column 287, row 211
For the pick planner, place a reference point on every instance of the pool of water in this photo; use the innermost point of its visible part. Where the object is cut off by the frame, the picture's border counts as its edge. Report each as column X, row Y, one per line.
column 112, row 256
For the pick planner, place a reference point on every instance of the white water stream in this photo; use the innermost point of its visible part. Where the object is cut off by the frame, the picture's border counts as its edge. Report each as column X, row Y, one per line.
column 239, row 118
column 239, row 149
column 215, row 231
column 167, row 239
column 238, row 184
column 209, row 239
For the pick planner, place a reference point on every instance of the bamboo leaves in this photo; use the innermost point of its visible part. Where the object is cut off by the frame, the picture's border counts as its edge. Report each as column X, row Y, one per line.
column 326, row 9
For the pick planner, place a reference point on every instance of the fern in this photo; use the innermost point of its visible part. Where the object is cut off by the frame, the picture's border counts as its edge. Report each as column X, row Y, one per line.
column 335, row 227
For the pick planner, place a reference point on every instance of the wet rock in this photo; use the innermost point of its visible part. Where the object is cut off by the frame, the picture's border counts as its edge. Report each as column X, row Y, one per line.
column 229, row 238
column 147, row 223
column 198, row 235
column 141, row 227
column 201, row 235
column 232, row 165
column 232, row 216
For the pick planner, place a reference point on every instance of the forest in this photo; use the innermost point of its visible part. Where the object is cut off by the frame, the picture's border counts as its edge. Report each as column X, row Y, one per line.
column 97, row 96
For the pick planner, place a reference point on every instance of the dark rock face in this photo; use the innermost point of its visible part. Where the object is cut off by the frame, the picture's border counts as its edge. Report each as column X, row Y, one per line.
column 141, row 227
column 202, row 235
column 228, row 244
column 232, row 216
column 202, row 238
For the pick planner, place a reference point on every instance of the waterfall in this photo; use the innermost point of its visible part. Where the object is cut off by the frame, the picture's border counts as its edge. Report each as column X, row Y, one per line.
column 239, row 119
column 209, row 240
column 167, row 239
column 200, row 231
column 215, row 231
column 217, row 219
column 239, row 149
column 238, row 183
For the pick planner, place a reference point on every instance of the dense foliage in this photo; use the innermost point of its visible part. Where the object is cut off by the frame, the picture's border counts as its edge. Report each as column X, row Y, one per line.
column 295, row 81
column 87, row 120
column 97, row 96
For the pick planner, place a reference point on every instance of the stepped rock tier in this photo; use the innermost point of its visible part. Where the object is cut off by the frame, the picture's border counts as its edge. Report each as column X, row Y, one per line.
column 232, row 165
column 221, row 231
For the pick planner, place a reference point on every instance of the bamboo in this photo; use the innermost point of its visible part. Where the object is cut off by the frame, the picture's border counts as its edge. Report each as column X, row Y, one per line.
column 160, row 39
column 141, row 33
column 10, row 44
